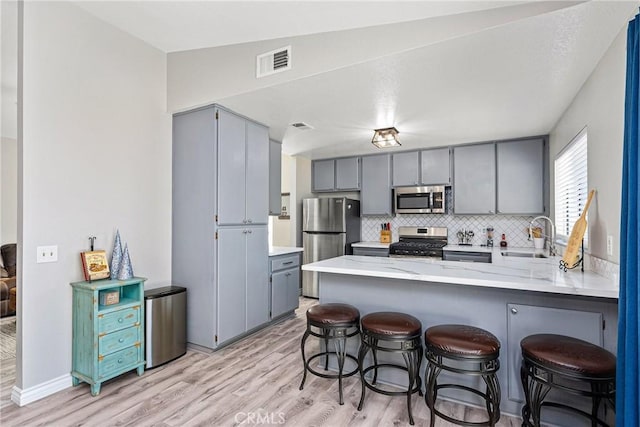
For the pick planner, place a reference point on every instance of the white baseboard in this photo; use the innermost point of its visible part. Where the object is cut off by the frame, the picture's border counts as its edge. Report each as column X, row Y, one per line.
column 23, row 397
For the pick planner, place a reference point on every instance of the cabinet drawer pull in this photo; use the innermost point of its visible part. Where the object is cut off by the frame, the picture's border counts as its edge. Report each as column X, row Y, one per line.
column 120, row 320
column 514, row 310
column 119, row 360
column 287, row 263
column 121, row 340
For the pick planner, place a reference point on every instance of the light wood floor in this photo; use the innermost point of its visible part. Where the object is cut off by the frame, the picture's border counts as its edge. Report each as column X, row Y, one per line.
column 257, row 377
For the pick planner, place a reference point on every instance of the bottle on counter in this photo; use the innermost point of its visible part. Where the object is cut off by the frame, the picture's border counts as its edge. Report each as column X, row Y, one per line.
column 503, row 241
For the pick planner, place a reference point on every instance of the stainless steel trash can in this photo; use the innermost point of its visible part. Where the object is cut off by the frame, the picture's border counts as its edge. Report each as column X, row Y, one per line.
column 165, row 324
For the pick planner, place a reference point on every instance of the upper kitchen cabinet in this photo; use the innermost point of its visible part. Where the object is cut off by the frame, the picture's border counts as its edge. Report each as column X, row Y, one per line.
column 405, row 169
column 348, row 174
column 435, row 166
column 336, row 174
column 521, row 176
column 243, row 173
column 474, row 179
column 275, row 177
column 323, row 175
column 375, row 195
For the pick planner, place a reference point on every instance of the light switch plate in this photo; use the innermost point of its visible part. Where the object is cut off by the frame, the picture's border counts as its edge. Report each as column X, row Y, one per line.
column 47, row 254
column 610, row 245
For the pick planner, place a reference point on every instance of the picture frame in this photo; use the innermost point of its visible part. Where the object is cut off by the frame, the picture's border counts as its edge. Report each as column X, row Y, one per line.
column 285, row 203
column 95, row 265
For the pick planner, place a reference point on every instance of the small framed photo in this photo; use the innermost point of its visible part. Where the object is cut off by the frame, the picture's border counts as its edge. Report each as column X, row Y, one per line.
column 285, row 201
column 95, row 265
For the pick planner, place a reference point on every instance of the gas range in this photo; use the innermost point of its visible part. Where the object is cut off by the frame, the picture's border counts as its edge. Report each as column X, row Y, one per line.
column 419, row 242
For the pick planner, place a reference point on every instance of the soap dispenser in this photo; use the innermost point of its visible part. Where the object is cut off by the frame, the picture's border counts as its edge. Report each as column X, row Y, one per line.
column 503, row 241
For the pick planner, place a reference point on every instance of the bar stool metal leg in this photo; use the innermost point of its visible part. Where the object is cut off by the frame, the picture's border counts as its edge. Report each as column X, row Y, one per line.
column 330, row 322
column 391, row 332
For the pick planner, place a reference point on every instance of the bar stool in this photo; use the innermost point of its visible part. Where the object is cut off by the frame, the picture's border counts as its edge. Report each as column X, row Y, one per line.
column 392, row 333
column 464, row 350
column 567, row 364
column 335, row 322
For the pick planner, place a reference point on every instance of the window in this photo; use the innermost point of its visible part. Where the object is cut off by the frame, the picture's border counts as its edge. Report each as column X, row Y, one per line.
column 571, row 187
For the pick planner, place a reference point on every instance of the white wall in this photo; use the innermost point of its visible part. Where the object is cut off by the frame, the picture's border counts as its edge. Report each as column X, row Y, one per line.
column 599, row 105
column 8, row 190
column 282, row 235
column 302, row 191
column 96, row 156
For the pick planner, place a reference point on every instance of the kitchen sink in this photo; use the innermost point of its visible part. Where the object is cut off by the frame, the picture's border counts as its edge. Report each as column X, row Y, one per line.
column 524, row 254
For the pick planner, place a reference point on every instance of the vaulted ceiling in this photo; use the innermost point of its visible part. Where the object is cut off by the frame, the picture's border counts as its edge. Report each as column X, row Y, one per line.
column 498, row 80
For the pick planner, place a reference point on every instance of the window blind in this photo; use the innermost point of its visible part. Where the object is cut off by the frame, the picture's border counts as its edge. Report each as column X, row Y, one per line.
column 571, row 186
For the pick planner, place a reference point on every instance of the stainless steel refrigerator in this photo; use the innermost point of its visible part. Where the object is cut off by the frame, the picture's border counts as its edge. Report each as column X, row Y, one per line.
column 329, row 227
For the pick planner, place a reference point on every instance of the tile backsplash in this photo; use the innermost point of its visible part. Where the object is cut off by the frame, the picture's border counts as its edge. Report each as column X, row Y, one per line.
column 513, row 226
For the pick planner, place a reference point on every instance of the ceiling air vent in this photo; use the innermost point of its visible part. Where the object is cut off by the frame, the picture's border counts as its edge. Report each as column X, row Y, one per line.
column 273, row 62
column 301, row 126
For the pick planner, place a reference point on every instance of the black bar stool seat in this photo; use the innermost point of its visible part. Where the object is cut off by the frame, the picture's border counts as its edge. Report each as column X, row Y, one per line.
column 391, row 332
column 568, row 364
column 464, row 350
column 337, row 322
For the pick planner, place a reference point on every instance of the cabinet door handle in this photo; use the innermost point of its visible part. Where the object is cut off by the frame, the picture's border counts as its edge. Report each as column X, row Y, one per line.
column 244, row 221
column 514, row 310
column 249, row 231
column 119, row 360
column 244, row 231
column 249, row 221
column 288, row 274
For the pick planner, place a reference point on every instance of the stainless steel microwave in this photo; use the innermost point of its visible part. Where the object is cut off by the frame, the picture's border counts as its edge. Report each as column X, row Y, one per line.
column 419, row 200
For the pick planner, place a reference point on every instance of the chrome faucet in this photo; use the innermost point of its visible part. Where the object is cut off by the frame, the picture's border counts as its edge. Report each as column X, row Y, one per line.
column 552, row 238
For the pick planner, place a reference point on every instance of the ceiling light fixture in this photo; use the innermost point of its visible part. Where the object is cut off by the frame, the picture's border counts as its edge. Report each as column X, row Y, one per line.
column 387, row 137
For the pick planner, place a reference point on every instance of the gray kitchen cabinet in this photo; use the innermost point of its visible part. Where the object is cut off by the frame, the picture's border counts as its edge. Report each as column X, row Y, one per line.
column 405, row 169
column 220, row 166
column 520, row 176
column 336, row 174
column 474, row 179
column 243, row 171
column 257, row 277
column 231, row 278
column 231, row 168
column 435, row 166
column 375, row 194
column 383, row 252
column 285, row 283
column 243, row 285
column 323, row 175
column 275, row 177
column 257, row 174
column 348, row 174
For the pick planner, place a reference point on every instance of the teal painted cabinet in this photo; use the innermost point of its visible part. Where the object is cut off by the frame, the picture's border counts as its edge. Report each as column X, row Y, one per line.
column 108, row 340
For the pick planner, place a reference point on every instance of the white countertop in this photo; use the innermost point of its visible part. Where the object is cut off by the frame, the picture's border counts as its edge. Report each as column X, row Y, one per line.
column 375, row 245
column 526, row 274
column 283, row 250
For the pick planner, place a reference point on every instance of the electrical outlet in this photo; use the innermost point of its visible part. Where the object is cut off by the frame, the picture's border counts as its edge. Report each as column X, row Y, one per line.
column 610, row 245
column 47, row 254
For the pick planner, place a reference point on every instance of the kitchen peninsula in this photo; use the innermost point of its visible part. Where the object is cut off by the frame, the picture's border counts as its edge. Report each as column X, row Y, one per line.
column 511, row 297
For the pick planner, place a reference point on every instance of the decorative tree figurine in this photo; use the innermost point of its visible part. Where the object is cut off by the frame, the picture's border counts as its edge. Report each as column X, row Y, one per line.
column 116, row 256
column 126, row 271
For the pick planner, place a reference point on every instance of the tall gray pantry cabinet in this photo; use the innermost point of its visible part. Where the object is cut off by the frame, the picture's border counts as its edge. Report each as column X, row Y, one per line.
column 219, row 223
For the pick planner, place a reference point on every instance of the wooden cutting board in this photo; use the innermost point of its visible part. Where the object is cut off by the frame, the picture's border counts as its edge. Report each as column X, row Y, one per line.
column 577, row 233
